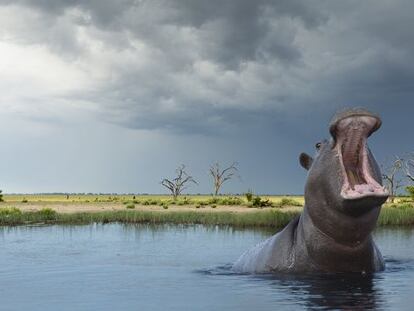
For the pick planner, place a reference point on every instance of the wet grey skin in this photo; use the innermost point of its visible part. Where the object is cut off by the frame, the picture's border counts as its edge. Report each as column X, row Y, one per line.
column 343, row 198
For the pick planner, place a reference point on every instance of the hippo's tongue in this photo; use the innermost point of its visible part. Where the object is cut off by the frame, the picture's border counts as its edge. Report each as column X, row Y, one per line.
column 351, row 141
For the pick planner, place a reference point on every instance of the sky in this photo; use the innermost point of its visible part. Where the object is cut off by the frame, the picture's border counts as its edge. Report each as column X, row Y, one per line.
column 112, row 96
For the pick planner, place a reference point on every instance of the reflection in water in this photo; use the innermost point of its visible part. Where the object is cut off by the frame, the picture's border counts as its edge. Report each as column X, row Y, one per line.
column 333, row 291
column 318, row 291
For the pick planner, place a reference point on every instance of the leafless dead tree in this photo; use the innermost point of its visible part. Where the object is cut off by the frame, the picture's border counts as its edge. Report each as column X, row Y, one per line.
column 220, row 176
column 179, row 183
column 409, row 168
column 390, row 174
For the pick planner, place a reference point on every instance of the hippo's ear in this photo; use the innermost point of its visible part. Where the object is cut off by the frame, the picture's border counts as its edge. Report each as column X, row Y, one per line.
column 305, row 160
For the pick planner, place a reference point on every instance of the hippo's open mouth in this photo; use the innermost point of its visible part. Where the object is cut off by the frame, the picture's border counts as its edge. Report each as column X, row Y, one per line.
column 351, row 134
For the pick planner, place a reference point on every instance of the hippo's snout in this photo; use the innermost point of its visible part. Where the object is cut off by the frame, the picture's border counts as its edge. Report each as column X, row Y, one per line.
column 372, row 121
column 350, row 130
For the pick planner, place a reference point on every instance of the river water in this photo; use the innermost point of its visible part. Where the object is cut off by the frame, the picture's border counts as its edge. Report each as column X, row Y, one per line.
column 143, row 267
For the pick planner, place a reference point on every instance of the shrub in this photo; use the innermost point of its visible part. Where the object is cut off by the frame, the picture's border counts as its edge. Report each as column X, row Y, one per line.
column 24, row 200
column 212, row 201
column 1, row 196
column 184, row 201
column 149, row 202
column 213, row 206
column 249, row 195
column 230, row 201
column 198, row 206
column 130, row 206
column 410, row 190
column 165, row 206
column 259, row 202
column 289, row 202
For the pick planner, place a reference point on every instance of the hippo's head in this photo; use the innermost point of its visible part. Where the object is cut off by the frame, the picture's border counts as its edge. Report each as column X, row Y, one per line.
column 344, row 180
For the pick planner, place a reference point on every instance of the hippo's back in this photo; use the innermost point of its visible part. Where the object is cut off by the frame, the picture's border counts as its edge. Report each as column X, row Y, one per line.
column 274, row 254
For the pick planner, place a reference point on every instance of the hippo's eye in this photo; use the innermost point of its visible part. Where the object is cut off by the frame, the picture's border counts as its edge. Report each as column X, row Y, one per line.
column 318, row 146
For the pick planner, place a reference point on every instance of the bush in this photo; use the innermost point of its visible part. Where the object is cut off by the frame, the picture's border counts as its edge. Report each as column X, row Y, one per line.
column 148, row 202
column 230, row 201
column 130, row 206
column 289, row 202
column 1, row 196
column 249, row 195
column 212, row 201
column 184, row 201
column 259, row 202
column 410, row 190
column 213, row 206
column 25, row 200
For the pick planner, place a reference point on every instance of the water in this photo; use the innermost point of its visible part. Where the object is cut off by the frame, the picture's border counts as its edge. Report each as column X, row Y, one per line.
column 140, row 267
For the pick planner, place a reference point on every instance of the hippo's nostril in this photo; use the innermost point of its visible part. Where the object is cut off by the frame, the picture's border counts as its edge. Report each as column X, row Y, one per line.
column 359, row 116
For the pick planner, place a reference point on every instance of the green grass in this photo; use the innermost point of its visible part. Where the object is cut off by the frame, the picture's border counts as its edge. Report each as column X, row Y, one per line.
column 391, row 215
column 397, row 215
column 269, row 218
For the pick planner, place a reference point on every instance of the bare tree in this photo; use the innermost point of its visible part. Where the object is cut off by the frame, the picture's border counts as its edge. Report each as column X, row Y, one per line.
column 179, row 183
column 390, row 174
column 409, row 168
column 220, row 176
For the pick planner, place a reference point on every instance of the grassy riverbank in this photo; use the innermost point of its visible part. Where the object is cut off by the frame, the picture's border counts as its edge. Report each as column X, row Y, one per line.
column 268, row 218
column 391, row 215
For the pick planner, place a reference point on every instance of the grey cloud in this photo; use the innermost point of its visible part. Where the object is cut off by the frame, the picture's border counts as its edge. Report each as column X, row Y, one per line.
column 201, row 66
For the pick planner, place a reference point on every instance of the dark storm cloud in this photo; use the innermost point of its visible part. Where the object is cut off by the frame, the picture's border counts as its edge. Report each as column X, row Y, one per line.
column 201, row 66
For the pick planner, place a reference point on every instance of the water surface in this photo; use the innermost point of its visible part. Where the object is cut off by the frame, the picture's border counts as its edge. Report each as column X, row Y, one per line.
column 142, row 267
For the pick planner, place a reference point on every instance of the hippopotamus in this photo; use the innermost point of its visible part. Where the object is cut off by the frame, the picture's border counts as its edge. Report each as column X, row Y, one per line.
column 343, row 198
